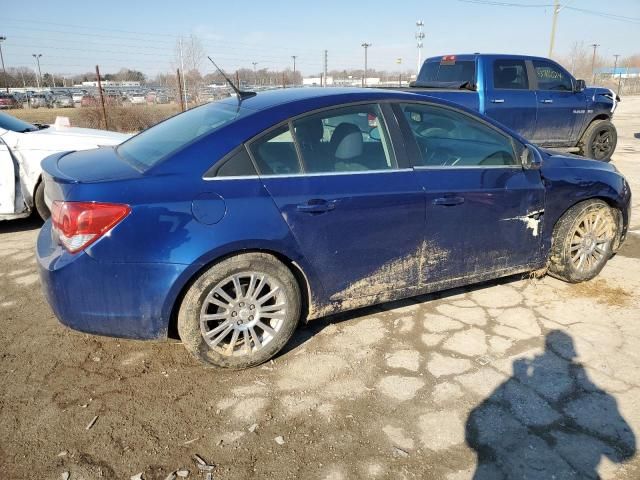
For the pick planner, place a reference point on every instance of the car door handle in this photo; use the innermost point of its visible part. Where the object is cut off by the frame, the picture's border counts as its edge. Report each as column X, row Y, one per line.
column 546, row 100
column 448, row 201
column 497, row 100
column 317, row 205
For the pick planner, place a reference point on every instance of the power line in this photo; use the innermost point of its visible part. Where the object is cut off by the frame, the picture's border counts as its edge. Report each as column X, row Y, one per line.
column 611, row 16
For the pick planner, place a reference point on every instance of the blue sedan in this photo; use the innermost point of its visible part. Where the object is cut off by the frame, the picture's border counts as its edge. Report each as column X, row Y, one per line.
column 232, row 222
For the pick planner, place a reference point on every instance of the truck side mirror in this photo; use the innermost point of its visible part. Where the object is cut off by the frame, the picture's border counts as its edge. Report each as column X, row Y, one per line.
column 531, row 158
column 580, row 86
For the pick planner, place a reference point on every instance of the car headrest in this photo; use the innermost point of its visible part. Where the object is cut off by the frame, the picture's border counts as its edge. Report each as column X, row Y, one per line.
column 346, row 141
column 508, row 74
column 309, row 131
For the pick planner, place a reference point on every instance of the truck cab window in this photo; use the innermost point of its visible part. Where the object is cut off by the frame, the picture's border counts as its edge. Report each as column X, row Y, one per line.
column 551, row 77
column 510, row 74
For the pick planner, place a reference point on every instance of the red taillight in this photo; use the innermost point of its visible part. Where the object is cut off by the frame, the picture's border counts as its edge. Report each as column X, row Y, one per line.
column 79, row 224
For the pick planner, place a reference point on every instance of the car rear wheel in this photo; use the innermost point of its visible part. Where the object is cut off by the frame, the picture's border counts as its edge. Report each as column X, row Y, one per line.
column 240, row 312
column 39, row 203
column 582, row 241
column 599, row 140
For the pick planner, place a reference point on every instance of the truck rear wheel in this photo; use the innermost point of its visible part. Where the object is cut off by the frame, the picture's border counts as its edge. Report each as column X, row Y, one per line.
column 599, row 140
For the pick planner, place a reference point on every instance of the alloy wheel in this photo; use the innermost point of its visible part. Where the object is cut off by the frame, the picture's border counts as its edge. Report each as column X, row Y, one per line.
column 591, row 239
column 243, row 313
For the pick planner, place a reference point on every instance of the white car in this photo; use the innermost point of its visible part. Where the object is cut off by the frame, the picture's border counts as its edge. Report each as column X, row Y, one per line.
column 23, row 146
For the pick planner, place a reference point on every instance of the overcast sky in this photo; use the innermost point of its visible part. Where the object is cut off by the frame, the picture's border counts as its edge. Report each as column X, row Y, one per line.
column 74, row 37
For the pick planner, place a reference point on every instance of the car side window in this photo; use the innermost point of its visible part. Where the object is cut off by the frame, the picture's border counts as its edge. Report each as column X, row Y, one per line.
column 239, row 164
column 551, row 77
column 447, row 138
column 349, row 139
column 510, row 74
column 275, row 153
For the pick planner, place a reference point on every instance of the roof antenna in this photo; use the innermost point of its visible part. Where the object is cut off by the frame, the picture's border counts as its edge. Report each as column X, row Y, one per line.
column 240, row 93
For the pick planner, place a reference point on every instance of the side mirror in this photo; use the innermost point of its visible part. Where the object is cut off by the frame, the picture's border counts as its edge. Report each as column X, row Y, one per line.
column 531, row 158
column 580, row 86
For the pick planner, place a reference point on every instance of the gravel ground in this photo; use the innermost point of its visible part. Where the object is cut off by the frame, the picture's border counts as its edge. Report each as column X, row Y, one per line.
column 538, row 376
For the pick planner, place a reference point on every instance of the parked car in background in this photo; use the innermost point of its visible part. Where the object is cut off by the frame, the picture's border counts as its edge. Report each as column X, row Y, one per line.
column 63, row 100
column 23, row 146
column 77, row 96
column 8, row 100
column 162, row 98
column 40, row 99
column 233, row 221
column 88, row 101
column 137, row 98
column 534, row 96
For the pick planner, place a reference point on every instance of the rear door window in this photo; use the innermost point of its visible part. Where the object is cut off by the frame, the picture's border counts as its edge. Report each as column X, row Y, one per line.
column 275, row 153
column 510, row 74
column 349, row 139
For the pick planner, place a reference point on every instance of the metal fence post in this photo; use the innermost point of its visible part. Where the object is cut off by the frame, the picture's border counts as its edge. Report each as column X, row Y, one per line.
column 104, row 110
column 180, row 89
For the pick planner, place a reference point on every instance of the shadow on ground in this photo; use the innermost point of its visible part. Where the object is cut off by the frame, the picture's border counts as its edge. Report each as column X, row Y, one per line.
column 20, row 225
column 548, row 420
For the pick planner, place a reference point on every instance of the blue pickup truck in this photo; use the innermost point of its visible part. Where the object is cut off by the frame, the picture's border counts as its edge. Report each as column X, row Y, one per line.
column 533, row 96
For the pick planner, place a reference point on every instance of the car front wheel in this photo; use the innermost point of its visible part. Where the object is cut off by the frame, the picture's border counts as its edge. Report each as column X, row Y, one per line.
column 582, row 241
column 240, row 312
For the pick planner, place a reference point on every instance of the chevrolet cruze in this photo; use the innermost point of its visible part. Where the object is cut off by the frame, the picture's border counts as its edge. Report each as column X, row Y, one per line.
column 232, row 222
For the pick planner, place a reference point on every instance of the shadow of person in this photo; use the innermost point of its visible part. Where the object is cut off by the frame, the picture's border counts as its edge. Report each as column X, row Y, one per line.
column 548, row 420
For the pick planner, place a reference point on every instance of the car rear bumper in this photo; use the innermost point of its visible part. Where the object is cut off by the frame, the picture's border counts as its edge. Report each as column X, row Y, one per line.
column 127, row 300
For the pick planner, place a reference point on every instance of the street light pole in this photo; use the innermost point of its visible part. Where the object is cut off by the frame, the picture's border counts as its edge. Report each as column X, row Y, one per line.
column 364, row 76
column 39, row 75
column 420, row 38
column 255, row 73
column 6, row 81
column 593, row 62
column 294, row 68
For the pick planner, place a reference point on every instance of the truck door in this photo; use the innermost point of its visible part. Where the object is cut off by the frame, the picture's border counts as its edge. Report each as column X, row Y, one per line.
column 7, row 181
column 510, row 98
column 559, row 107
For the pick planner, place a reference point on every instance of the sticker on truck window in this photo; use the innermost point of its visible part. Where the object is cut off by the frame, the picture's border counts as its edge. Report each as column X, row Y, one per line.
column 448, row 60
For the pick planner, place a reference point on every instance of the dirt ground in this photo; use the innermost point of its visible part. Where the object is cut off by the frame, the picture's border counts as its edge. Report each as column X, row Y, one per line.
column 538, row 376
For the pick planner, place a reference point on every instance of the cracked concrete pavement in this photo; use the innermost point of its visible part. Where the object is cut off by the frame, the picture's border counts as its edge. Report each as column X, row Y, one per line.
column 509, row 379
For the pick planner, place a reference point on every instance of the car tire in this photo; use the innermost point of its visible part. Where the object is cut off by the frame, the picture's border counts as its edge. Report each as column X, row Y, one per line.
column 39, row 203
column 599, row 140
column 216, row 324
column 582, row 241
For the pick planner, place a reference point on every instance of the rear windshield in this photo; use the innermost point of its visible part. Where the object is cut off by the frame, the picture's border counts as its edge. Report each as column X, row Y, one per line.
column 8, row 122
column 458, row 71
column 158, row 142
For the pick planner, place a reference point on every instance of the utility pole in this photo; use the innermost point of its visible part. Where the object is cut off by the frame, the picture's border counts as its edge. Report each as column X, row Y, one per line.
column 39, row 76
column 593, row 62
column 6, row 81
column 556, row 11
column 294, row 68
column 364, row 76
column 615, row 65
column 255, row 73
column 399, row 62
column 419, row 39
column 326, row 54
column 184, row 78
